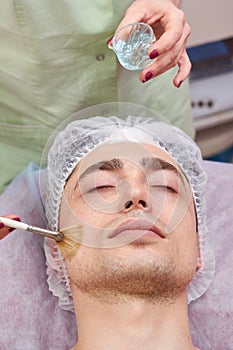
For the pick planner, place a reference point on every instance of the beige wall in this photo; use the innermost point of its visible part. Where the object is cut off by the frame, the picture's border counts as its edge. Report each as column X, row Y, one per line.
column 210, row 19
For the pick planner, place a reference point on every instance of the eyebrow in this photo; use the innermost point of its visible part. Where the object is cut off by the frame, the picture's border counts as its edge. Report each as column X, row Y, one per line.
column 109, row 165
column 150, row 163
column 153, row 163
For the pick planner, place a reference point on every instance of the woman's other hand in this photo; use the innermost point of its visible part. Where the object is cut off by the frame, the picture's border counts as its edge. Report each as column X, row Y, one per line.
column 5, row 230
column 171, row 31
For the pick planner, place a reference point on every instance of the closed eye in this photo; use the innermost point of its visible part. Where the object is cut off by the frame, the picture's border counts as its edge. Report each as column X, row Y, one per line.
column 101, row 188
column 165, row 188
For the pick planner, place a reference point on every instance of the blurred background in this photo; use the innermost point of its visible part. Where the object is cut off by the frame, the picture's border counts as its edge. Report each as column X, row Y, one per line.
column 210, row 48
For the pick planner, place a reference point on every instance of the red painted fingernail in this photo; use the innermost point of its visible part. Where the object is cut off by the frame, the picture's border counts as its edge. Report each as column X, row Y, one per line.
column 109, row 40
column 153, row 54
column 1, row 225
column 148, row 76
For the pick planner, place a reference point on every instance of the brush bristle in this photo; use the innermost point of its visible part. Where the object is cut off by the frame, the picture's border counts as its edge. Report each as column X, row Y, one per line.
column 71, row 241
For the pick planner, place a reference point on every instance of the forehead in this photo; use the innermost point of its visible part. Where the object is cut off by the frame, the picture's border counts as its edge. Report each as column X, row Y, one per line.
column 130, row 152
column 125, row 151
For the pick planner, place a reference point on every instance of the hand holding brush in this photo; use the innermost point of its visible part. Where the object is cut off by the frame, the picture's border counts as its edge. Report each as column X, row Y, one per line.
column 68, row 239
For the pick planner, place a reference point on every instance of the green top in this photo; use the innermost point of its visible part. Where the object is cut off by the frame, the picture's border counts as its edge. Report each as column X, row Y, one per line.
column 54, row 61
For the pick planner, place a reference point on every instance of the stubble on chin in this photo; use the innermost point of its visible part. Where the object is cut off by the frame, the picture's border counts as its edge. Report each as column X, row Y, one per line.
column 115, row 281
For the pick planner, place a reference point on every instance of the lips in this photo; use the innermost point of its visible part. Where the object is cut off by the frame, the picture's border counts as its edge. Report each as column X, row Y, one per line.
column 137, row 225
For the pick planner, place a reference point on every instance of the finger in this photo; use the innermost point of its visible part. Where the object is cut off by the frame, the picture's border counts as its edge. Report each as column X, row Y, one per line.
column 177, row 35
column 184, row 69
column 176, row 55
column 132, row 15
column 138, row 11
column 183, row 72
column 5, row 230
column 160, row 65
column 152, row 71
column 131, row 18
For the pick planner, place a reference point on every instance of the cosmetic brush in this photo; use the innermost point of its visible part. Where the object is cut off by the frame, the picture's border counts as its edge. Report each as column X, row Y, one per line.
column 68, row 239
column 58, row 236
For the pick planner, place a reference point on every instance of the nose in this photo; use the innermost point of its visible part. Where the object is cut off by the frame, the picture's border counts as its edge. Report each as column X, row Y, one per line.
column 141, row 204
column 137, row 199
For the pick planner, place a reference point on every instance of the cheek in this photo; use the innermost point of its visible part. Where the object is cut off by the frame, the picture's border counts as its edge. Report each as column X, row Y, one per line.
column 79, row 265
column 188, row 239
column 73, row 213
column 91, row 217
column 81, row 212
column 177, row 212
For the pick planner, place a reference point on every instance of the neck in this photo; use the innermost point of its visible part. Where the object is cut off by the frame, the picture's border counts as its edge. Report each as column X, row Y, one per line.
column 132, row 324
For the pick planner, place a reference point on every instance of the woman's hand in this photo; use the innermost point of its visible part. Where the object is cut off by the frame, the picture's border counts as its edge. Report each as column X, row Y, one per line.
column 171, row 31
column 5, row 230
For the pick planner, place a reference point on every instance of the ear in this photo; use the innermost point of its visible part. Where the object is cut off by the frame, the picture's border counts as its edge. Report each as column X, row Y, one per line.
column 199, row 264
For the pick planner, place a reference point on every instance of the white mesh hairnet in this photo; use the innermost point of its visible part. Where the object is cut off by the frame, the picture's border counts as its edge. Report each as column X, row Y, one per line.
column 81, row 137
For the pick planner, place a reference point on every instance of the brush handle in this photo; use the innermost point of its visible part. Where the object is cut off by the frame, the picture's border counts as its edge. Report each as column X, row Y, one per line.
column 58, row 236
column 13, row 223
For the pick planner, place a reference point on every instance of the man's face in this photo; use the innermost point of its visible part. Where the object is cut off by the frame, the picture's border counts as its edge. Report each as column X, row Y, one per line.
column 138, row 221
